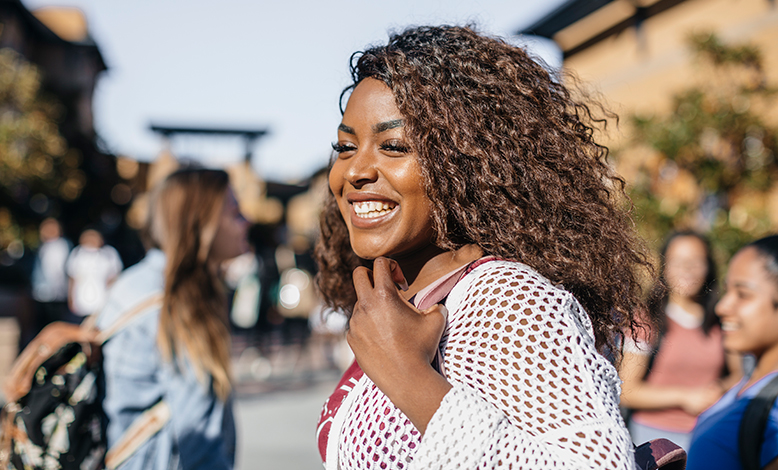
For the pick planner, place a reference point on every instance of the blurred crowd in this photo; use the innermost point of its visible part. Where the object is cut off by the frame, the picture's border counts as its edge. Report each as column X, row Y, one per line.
column 273, row 308
column 69, row 283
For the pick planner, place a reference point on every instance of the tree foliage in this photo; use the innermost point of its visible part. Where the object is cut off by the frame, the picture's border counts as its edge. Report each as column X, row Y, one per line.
column 710, row 164
column 36, row 166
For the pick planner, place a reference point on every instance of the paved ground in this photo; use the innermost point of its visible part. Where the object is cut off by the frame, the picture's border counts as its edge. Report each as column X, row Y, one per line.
column 277, row 428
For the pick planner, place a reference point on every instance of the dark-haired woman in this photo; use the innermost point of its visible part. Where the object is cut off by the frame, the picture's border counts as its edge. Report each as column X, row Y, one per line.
column 474, row 234
column 749, row 317
column 680, row 369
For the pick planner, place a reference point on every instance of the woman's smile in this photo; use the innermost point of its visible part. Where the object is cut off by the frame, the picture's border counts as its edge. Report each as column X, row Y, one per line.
column 372, row 209
column 368, row 210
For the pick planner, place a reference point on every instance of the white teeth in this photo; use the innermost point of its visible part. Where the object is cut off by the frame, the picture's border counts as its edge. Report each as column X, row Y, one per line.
column 729, row 326
column 372, row 209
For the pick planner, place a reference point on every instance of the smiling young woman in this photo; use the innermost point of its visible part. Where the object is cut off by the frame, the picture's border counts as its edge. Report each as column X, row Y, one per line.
column 749, row 319
column 474, row 234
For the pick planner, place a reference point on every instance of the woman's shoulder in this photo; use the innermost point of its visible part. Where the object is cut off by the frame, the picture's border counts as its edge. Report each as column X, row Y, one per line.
column 140, row 331
column 133, row 286
column 497, row 280
column 519, row 291
column 502, row 274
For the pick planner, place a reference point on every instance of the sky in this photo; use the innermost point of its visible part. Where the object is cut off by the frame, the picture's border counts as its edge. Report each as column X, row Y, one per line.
column 252, row 64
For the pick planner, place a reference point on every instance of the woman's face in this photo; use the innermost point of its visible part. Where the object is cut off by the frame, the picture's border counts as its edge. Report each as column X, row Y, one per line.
column 748, row 309
column 376, row 178
column 686, row 266
column 230, row 239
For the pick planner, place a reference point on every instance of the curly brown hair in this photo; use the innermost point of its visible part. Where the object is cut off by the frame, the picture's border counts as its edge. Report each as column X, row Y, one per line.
column 510, row 164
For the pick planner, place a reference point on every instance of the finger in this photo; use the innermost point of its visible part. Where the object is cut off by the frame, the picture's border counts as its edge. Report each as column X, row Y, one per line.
column 363, row 280
column 397, row 275
column 388, row 274
column 437, row 309
column 438, row 315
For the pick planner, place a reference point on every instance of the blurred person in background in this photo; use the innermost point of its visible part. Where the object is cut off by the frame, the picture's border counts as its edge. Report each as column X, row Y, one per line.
column 92, row 267
column 178, row 351
column 679, row 368
column 749, row 317
column 49, row 276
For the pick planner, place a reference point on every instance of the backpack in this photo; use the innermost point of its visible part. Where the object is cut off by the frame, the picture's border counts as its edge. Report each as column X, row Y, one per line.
column 660, row 454
column 54, row 418
column 753, row 425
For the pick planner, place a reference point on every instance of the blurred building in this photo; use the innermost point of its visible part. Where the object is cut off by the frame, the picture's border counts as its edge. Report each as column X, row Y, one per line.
column 303, row 212
column 67, row 64
column 57, row 41
column 635, row 52
column 637, row 55
column 260, row 202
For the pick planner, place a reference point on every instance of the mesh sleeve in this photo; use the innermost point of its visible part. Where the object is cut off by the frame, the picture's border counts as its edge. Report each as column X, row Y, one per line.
column 530, row 389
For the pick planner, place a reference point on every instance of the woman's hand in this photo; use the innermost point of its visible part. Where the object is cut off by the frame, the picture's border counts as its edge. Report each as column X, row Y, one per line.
column 388, row 335
column 395, row 343
column 697, row 400
column 641, row 395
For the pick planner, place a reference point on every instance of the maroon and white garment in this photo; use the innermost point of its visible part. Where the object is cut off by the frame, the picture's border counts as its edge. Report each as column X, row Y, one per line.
column 347, row 383
column 529, row 388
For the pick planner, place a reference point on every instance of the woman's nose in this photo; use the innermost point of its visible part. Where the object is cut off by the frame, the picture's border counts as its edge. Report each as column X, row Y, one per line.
column 722, row 306
column 361, row 170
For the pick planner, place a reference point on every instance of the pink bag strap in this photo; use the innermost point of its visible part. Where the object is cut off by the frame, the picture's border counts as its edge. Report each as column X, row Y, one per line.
column 439, row 290
column 436, row 292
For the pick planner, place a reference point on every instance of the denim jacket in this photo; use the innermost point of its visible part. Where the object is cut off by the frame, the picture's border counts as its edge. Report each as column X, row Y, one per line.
column 201, row 431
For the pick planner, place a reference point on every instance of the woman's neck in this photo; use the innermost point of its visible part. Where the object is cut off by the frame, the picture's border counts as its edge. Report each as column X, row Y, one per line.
column 420, row 275
column 766, row 363
column 688, row 304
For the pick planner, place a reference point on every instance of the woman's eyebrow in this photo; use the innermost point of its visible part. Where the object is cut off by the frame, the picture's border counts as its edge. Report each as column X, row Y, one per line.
column 346, row 129
column 385, row 126
column 745, row 284
column 377, row 129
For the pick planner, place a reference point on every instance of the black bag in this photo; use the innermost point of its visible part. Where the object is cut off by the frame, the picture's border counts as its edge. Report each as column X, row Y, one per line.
column 54, row 418
column 753, row 425
column 660, row 454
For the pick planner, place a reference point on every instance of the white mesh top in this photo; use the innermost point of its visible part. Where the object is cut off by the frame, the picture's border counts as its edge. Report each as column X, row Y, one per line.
column 529, row 389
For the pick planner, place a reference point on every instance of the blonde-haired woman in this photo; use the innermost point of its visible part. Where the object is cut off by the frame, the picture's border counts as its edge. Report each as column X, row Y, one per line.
column 177, row 351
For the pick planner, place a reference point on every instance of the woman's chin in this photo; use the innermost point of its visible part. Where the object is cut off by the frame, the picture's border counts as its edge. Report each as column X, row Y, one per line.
column 368, row 253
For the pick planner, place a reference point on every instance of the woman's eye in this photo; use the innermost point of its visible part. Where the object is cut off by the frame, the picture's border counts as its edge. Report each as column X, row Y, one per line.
column 395, row 147
column 342, row 148
column 743, row 295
